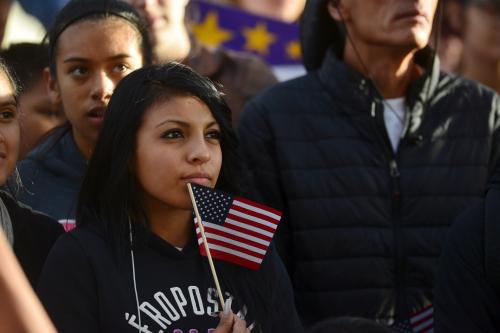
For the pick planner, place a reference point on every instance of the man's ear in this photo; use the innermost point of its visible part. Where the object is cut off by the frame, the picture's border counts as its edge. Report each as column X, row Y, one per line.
column 337, row 10
column 52, row 86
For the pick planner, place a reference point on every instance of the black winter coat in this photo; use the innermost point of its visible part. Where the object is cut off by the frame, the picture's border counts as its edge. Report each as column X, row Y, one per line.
column 468, row 284
column 363, row 226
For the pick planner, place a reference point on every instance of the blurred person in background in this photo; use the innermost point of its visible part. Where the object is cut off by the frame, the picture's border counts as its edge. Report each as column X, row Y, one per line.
column 450, row 44
column 17, row 26
column 470, row 40
column 93, row 44
column 30, row 234
column 481, row 39
column 242, row 75
column 38, row 114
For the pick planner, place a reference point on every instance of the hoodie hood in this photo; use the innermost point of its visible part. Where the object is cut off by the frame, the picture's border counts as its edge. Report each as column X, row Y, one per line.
column 51, row 176
column 60, row 155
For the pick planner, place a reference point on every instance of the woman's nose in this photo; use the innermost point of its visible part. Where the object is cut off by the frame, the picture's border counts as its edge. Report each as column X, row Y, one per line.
column 198, row 151
column 103, row 87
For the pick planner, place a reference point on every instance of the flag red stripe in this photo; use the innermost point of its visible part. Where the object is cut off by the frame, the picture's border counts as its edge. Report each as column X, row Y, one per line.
column 421, row 320
column 235, row 238
column 255, row 214
column 248, row 232
column 231, row 258
column 233, row 247
column 424, row 328
column 252, row 223
column 422, row 315
column 258, row 205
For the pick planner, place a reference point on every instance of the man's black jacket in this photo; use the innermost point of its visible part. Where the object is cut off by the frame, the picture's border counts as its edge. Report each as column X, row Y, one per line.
column 363, row 226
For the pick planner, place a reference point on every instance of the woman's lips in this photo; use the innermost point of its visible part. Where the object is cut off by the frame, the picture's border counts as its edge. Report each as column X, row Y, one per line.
column 96, row 115
column 201, row 179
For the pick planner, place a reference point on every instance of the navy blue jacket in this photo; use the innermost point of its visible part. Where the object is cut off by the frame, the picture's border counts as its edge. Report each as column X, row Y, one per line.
column 51, row 175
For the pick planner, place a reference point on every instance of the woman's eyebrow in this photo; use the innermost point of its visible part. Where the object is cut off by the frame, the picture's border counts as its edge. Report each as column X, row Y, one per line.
column 10, row 102
column 82, row 59
column 212, row 123
column 75, row 59
column 178, row 122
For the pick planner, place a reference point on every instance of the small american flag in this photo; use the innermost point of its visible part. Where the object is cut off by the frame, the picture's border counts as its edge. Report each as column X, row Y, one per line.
column 421, row 321
column 237, row 230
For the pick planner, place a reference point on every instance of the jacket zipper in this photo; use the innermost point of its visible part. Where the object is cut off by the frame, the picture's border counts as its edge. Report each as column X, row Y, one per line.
column 396, row 220
column 395, row 197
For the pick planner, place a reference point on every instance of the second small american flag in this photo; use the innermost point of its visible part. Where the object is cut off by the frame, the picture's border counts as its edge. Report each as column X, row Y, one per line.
column 237, row 230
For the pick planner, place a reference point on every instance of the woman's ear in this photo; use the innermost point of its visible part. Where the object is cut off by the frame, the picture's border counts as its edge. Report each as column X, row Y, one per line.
column 52, row 86
column 337, row 11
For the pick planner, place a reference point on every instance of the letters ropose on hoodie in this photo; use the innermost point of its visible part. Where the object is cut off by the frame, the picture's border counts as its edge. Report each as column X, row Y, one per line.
column 87, row 286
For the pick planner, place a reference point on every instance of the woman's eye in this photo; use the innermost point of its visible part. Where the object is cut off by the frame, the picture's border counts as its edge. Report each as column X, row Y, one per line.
column 172, row 134
column 7, row 114
column 121, row 68
column 213, row 135
column 78, row 71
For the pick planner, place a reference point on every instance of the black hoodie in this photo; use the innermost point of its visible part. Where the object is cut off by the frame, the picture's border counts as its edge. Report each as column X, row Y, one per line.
column 86, row 286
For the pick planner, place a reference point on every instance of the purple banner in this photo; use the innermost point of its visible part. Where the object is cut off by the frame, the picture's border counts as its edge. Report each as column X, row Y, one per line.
column 216, row 25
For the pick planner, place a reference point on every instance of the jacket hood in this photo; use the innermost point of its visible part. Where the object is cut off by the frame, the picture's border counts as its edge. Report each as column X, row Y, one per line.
column 60, row 155
column 317, row 32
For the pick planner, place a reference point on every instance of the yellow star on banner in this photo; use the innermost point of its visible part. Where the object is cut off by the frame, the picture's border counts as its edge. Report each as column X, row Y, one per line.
column 209, row 32
column 293, row 50
column 258, row 38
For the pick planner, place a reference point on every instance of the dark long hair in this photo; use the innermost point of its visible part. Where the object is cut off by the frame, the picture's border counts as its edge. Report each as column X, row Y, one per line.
column 87, row 10
column 110, row 197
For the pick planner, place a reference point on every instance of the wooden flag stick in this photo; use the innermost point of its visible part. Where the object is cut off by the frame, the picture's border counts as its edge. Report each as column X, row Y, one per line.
column 207, row 250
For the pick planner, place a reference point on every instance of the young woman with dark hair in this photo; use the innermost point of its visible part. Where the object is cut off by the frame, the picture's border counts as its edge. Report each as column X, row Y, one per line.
column 93, row 44
column 133, row 264
column 30, row 234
